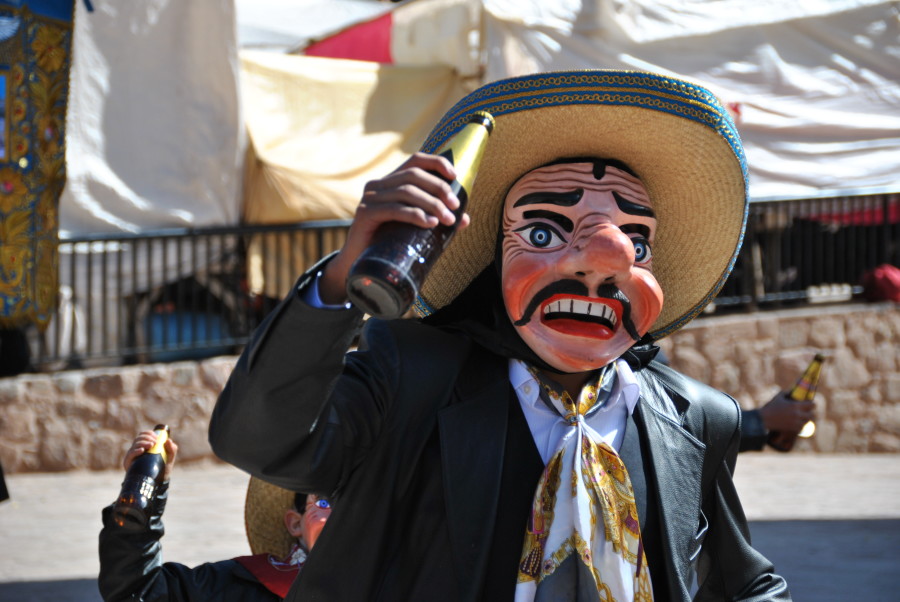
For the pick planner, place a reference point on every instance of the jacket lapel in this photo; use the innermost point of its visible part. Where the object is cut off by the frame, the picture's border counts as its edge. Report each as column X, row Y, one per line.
column 473, row 434
column 677, row 459
column 631, row 455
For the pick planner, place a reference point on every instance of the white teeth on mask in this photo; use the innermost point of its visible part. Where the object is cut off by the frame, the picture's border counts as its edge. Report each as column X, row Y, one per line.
column 577, row 306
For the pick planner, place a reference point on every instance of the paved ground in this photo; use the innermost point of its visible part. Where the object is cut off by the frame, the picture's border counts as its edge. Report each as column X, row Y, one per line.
column 831, row 525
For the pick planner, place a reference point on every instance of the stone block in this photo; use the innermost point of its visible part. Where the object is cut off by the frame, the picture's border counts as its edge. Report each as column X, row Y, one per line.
column 214, row 373
column 18, row 423
column 872, row 395
column 10, row 391
column 892, row 388
column 845, row 371
column 887, row 419
column 844, row 406
column 131, row 379
column 193, row 439
column 104, row 386
column 794, row 332
column 183, row 373
column 827, row 332
column 64, row 445
column 150, row 375
column 38, row 390
column 885, row 443
column 68, row 382
column 125, row 414
column 851, row 439
column 692, row 363
column 768, row 327
column 83, row 409
column 726, row 377
column 825, row 439
column 19, row 456
column 686, row 337
column 880, row 358
column 108, row 449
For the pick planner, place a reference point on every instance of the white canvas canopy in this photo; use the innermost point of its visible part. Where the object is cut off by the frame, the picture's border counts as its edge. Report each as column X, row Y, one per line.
column 814, row 88
column 163, row 91
column 154, row 135
column 155, row 129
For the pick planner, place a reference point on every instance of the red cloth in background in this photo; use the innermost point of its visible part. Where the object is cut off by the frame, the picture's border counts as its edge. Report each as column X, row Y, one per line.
column 882, row 283
column 369, row 41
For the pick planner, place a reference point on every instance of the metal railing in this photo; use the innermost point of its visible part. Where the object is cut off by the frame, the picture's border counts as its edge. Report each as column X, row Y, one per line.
column 173, row 294
column 812, row 250
column 187, row 294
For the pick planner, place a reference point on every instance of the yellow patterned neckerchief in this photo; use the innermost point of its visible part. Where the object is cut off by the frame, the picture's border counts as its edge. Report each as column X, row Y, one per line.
column 585, row 482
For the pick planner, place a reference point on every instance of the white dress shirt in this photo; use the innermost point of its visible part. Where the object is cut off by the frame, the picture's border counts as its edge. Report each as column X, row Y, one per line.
column 547, row 426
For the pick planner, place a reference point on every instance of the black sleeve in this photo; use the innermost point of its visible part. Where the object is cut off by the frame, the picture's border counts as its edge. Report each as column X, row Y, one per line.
column 753, row 432
column 131, row 567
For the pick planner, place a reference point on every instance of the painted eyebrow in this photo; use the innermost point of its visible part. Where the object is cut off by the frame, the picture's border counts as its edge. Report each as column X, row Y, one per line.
column 563, row 199
column 626, row 206
column 564, row 222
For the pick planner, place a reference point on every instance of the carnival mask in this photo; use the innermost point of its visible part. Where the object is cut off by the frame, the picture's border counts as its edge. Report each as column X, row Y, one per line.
column 577, row 262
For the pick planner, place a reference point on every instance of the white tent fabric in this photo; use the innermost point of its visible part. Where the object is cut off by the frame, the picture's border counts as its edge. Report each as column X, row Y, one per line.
column 286, row 25
column 154, row 134
column 815, row 85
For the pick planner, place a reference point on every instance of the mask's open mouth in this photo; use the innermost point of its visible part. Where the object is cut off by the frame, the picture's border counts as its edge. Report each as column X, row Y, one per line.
column 591, row 317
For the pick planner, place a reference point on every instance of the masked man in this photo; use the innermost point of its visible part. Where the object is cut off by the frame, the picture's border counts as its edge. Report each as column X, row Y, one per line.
column 517, row 441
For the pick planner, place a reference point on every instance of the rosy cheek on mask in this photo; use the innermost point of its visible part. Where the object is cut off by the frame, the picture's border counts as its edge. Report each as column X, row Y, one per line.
column 647, row 300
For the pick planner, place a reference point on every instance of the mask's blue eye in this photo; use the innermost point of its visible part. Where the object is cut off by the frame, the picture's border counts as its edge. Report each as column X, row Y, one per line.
column 642, row 252
column 540, row 236
column 323, row 504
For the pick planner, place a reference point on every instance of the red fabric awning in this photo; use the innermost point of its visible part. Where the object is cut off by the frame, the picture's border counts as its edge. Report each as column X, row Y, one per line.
column 367, row 41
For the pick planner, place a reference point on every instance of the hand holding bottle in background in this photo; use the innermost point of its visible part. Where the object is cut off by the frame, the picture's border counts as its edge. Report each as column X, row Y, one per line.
column 145, row 442
column 148, row 463
column 784, row 414
column 801, row 393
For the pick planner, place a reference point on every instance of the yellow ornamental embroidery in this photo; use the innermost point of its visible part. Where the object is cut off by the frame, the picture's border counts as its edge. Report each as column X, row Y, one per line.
column 49, row 49
column 12, row 190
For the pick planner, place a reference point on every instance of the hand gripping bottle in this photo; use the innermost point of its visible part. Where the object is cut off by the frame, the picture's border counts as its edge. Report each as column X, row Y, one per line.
column 804, row 390
column 385, row 279
column 141, row 482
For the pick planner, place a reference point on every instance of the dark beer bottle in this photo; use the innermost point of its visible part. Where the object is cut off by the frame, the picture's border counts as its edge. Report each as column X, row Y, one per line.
column 141, row 482
column 385, row 279
column 804, row 390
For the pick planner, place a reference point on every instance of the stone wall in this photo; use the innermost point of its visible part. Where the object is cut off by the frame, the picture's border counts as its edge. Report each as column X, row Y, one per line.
column 86, row 419
column 753, row 356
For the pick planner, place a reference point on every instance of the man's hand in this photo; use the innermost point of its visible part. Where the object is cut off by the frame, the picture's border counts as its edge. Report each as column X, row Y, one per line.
column 412, row 195
column 145, row 441
column 786, row 415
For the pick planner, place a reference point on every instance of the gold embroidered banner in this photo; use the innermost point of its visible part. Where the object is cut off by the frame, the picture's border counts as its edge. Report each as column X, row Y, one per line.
column 35, row 54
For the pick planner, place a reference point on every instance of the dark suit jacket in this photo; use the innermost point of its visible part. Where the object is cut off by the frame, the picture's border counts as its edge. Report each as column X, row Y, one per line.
column 420, row 437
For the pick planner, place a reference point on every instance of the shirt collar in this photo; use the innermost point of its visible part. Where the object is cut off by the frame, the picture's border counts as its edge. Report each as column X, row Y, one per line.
column 626, row 388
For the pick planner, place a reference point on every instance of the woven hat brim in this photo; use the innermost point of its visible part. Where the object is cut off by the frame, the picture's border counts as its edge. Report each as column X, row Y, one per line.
column 264, row 508
column 675, row 135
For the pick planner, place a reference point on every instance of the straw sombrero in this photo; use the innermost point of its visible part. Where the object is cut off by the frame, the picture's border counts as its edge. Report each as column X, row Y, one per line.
column 264, row 510
column 674, row 134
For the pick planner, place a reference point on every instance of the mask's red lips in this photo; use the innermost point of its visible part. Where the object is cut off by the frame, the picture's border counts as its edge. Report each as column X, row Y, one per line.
column 591, row 317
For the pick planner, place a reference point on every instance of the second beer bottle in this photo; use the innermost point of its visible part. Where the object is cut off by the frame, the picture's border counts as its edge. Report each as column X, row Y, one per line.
column 141, row 482
column 385, row 279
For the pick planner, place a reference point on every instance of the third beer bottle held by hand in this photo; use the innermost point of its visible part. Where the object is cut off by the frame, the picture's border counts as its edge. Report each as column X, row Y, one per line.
column 804, row 390
column 385, row 279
